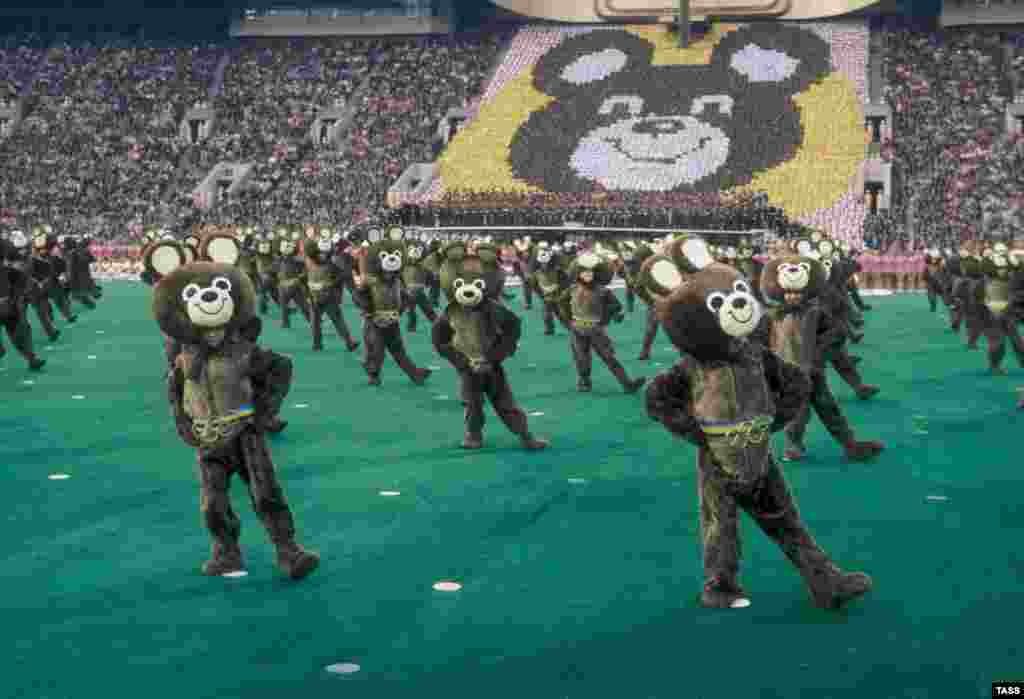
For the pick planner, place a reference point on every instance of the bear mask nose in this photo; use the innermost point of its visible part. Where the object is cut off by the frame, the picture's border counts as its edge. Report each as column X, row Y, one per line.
column 739, row 303
column 209, row 296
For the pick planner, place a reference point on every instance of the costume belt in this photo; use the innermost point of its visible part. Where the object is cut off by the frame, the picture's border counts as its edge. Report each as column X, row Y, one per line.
column 477, row 363
column 214, row 431
column 320, row 286
column 548, row 288
column 383, row 319
column 415, row 287
column 745, row 433
column 998, row 308
column 288, row 283
column 585, row 323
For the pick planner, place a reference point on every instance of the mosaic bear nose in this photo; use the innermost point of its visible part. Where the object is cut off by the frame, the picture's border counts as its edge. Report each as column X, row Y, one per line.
column 209, row 296
column 739, row 303
column 658, row 126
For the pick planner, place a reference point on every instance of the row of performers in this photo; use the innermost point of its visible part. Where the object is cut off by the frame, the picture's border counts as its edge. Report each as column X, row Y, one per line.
column 390, row 273
column 754, row 353
column 982, row 286
column 45, row 272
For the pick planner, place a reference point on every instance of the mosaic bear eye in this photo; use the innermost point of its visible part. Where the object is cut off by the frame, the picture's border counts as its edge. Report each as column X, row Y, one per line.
column 458, row 283
column 715, row 302
column 480, row 284
column 804, row 267
column 222, row 283
column 741, row 287
column 189, row 291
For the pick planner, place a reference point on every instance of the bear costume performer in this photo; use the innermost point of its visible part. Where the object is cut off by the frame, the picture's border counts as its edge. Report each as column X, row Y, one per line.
column 726, row 396
column 587, row 307
column 14, row 289
column 223, row 391
column 381, row 297
column 476, row 334
column 325, row 281
column 800, row 331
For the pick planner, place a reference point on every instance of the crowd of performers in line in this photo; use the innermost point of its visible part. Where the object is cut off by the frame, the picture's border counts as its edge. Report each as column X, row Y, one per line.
column 982, row 286
column 756, row 332
column 47, row 273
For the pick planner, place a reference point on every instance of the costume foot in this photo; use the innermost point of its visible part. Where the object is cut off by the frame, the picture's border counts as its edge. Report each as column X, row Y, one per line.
column 55, row 335
column 298, row 564
column 421, row 376
column 843, row 588
column 531, row 443
column 856, row 338
column 865, row 391
column 528, row 307
column 276, row 425
column 635, row 385
column 374, row 380
column 35, row 364
column 352, row 345
column 793, row 454
column 318, row 348
column 867, row 307
column 549, row 332
column 855, row 360
column 583, row 386
column 472, row 441
column 644, row 356
column 721, row 595
column 72, row 319
column 218, row 565
column 863, row 451
column 972, row 345
column 997, row 371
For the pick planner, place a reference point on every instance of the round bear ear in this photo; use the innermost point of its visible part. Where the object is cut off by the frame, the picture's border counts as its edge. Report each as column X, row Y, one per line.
column 396, row 233
column 690, row 253
column 164, row 257
column 19, row 239
column 586, row 62
column 221, row 248
column 660, row 275
column 826, row 247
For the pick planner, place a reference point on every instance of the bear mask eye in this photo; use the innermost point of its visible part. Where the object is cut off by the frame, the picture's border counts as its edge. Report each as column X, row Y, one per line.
column 189, row 291
column 716, row 301
column 724, row 103
column 804, row 267
column 222, row 283
column 458, row 283
column 480, row 284
column 633, row 105
column 741, row 287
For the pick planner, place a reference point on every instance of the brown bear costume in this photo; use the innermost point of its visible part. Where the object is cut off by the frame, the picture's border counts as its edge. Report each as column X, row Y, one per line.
column 224, row 391
column 802, row 332
column 726, row 396
column 476, row 334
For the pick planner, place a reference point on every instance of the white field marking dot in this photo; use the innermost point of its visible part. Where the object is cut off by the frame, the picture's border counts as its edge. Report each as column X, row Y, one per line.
column 100, row 332
column 536, row 413
column 577, row 481
column 28, row 382
column 343, row 668
column 77, row 397
column 235, row 574
column 447, row 586
column 58, row 476
column 389, row 493
column 440, row 397
column 302, row 405
column 434, row 368
column 937, row 498
column 740, row 603
column 91, row 356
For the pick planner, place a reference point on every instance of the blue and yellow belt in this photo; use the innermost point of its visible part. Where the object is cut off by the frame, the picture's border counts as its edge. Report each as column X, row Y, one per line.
column 740, row 432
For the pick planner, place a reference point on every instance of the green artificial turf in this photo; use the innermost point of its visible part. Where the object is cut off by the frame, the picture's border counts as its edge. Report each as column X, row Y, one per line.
column 580, row 565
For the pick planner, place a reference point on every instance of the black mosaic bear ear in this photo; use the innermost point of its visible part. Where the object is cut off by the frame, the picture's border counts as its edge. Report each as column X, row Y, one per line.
column 786, row 57
column 586, row 62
